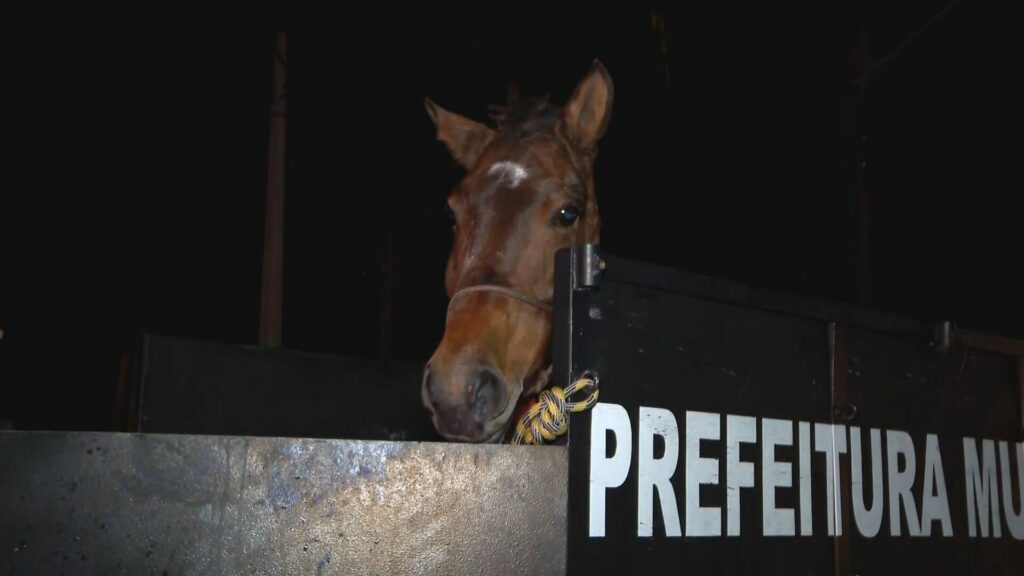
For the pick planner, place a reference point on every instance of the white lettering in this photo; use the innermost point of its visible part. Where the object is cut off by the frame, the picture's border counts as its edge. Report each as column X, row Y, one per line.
column 701, row 521
column 869, row 520
column 607, row 472
column 998, row 469
column 738, row 474
column 656, row 473
column 934, row 504
column 806, row 510
column 775, row 521
column 1014, row 520
column 982, row 488
column 901, row 481
column 831, row 439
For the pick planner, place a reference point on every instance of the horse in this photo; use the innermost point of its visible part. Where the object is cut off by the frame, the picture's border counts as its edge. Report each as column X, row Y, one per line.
column 527, row 192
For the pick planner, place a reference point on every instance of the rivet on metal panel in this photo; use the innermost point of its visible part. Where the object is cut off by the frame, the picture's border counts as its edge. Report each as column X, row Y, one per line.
column 846, row 412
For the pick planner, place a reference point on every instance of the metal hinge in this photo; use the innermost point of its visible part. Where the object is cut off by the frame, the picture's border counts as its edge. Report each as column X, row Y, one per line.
column 588, row 267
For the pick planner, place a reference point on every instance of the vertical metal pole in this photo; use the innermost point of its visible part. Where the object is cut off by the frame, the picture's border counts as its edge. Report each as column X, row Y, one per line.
column 273, row 232
column 841, row 414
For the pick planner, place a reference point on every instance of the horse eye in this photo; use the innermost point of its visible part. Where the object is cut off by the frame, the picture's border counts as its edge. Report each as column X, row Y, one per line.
column 566, row 216
column 451, row 213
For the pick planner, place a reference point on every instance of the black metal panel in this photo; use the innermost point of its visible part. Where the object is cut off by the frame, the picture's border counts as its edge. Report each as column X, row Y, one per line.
column 103, row 503
column 667, row 339
column 201, row 387
column 892, row 382
column 656, row 348
column 638, row 273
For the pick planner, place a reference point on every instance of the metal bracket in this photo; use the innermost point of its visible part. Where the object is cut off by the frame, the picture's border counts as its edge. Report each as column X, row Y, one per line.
column 942, row 336
column 945, row 334
column 588, row 267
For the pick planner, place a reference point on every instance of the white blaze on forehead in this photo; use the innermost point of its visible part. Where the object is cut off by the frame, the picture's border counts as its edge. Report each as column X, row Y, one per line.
column 509, row 172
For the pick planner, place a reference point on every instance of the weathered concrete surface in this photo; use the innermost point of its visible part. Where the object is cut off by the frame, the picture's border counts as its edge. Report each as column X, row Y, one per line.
column 107, row 503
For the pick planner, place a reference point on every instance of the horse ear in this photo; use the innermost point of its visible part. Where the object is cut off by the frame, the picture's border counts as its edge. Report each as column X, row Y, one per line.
column 465, row 138
column 589, row 110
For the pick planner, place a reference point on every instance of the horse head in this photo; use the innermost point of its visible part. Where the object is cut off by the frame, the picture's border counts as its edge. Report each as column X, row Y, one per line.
column 528, row 191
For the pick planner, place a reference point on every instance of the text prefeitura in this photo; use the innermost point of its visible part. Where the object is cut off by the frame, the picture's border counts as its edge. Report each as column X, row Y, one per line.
column 989, row 489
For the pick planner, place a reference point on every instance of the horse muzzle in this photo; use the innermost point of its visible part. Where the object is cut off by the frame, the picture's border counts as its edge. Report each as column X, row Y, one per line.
column 467, row 404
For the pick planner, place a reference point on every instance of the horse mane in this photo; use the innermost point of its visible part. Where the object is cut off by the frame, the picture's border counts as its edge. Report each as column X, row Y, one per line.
column 520, row 118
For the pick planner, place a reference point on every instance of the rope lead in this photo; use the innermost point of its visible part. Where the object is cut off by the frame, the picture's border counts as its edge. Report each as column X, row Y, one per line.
column 549, row 417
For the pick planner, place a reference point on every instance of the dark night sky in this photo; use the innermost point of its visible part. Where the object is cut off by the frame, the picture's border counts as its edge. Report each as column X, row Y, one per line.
column 134, row 197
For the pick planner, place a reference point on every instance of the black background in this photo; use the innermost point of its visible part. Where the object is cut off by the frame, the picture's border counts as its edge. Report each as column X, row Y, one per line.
column 135, row 171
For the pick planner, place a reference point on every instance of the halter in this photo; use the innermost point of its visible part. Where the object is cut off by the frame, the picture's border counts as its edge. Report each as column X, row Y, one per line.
column 509, row 292
column 515, row 294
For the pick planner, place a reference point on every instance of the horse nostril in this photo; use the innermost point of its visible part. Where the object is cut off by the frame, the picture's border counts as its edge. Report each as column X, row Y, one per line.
column 489, row 398
column 428, row 388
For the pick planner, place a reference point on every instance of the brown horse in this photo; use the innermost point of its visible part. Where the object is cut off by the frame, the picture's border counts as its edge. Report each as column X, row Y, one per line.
column 528, row 191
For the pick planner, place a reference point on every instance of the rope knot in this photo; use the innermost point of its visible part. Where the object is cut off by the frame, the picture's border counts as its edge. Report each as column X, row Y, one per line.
column 549, row 417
